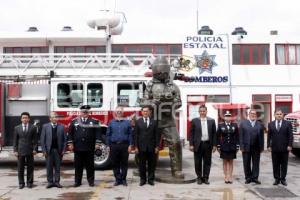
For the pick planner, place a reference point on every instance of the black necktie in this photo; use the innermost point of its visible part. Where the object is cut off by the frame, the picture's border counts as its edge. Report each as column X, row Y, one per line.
column 146, row 122
column 25, row 128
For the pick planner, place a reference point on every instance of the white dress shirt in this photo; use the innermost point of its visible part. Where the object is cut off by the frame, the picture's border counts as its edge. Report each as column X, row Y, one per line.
column 204, row 129
column 147, row 120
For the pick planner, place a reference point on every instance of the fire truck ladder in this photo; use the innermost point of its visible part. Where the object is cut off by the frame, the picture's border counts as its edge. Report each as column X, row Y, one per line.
column 43, row 65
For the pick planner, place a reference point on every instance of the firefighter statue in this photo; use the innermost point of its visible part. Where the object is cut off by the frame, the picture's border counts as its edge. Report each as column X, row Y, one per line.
column 164, row 97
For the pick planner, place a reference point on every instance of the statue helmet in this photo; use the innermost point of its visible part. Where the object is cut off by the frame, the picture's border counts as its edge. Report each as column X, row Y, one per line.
column 160, row 65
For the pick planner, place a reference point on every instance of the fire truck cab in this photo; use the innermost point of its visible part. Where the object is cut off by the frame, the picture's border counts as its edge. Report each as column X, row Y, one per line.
column 103, row 95
column 294, row 118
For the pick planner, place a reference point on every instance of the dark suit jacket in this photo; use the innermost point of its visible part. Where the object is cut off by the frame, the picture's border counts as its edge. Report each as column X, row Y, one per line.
column 280, row 140
column 25, row 143
column 245, row 132
column 146, row 139
column 46, row 138
column 84, row 136
column 228, row 138
column 196, row 132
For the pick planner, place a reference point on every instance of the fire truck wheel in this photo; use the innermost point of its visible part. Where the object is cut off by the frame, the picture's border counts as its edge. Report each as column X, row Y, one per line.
column 102, row 157
column 296, row 152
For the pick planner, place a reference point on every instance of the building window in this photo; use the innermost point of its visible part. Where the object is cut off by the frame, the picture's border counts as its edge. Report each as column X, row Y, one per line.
column 261, row 98
column 95, row 95
column 287, row 54
column 26, row 50
column 176, row 49
column 161, row 50
column 128, row 94
column 100, row 49
column 117, row 49
column 284, row 102
column 250, row 54
column 69, row 95
column 132, row 49
column 217, row 99
column 145, row 49
column 79, row 49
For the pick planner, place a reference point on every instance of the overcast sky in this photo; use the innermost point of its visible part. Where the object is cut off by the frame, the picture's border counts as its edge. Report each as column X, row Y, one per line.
column 153, row 20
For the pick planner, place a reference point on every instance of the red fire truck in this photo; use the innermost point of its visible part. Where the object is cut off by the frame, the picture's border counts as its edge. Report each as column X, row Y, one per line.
column 294, row 118
column 41, row 83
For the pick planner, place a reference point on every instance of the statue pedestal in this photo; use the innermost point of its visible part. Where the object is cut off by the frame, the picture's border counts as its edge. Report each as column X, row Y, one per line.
column 165, row 176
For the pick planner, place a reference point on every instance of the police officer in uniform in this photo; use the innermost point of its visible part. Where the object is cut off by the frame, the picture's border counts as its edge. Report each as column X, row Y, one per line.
column 228, row 145
column 84, row 137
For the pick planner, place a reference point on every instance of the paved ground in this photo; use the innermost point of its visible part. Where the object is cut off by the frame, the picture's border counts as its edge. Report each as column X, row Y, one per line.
column 105, row 190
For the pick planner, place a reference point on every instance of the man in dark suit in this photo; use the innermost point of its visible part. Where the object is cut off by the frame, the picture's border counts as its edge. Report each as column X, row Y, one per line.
column 203, row 141
column 84, row 138
column 251, row 135
column 147, row 144
column 280, row 140
column 53, row 142
column 25, row 147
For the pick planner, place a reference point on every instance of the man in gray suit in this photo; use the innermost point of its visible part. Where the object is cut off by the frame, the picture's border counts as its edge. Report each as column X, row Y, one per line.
column 53, row 142
column 251, row 135
column 25, row 147
column 203, row 141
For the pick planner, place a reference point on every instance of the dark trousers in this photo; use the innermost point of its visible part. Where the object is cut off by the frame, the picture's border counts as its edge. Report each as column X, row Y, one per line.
column 28, row 161
column 84, row 159
column 280, row 163
column 251, row 173
column 147, row 163
column 53, row 162
column 119, row 153
column 203, row 154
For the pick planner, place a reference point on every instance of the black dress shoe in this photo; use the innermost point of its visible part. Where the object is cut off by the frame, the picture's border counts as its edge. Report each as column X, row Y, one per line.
column 276, row 182
column 117, row 183
column 77, row 185
column 247, row 181
column 229, row 182
column 124, row 183
column 29, row 185
column 283, row 182
column 206, row 181
column 142, row 183
column 151, row 183
column 58, row 185
column 199, row 181
column 91, row 184
column 21, row 186
column 256, row 181
column 49, row 185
